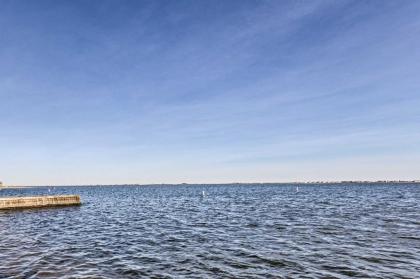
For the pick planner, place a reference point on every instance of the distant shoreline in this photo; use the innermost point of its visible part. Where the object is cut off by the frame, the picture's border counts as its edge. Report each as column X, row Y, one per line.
column 225, row 184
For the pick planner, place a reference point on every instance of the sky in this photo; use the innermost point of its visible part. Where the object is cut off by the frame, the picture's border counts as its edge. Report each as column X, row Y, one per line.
column 116, row 92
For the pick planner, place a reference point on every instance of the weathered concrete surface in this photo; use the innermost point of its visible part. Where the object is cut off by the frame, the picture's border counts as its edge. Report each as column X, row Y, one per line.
column 41, row 201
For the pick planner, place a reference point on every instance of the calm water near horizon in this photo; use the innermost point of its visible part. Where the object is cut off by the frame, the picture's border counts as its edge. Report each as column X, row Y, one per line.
column 232, row 231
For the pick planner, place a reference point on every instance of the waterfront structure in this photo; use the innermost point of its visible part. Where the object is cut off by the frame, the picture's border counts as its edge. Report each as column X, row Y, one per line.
column 41, row 201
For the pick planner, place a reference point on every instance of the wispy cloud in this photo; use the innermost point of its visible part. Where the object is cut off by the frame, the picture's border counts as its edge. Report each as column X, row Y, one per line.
column 207, row 88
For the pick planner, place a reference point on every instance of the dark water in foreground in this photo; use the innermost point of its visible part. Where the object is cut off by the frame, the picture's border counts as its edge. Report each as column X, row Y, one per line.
column 240, row 231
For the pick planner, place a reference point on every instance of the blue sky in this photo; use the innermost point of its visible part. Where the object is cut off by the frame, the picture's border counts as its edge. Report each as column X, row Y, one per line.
column 110, row 92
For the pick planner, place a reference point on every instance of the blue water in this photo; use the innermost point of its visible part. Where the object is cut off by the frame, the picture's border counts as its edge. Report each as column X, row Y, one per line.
column 233, row 231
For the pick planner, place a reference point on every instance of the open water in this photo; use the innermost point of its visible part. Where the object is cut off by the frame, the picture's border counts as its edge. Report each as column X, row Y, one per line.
column 230, row 231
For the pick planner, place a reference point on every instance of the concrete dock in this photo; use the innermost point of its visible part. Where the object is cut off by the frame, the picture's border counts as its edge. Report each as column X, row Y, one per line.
column 40, row 201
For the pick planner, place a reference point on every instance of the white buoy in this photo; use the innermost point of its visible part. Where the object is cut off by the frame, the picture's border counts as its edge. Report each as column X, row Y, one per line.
column 297, row 188
column 204, row 194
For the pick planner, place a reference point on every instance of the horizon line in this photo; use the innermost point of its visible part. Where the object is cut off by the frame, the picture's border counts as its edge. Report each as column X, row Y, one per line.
column 225, row 183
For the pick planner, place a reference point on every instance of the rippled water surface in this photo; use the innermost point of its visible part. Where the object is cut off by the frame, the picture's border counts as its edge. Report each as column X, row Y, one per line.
column 233, row 231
